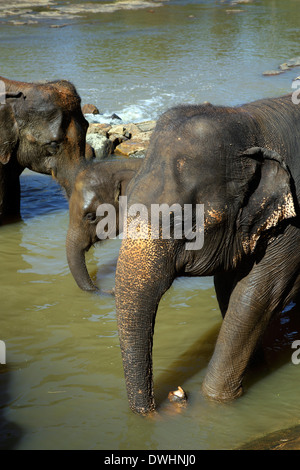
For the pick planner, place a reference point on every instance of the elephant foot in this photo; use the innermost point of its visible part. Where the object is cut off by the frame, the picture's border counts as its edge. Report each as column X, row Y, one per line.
column 221, row 395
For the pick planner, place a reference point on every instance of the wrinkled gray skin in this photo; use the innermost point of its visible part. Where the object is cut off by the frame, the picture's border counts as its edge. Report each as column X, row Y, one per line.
column 243, row 164
column 99, row 183
column 41, row 128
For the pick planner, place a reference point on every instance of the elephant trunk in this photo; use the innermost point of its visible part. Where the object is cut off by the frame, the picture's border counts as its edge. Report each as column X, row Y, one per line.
column 77, row 264
column 143, row 275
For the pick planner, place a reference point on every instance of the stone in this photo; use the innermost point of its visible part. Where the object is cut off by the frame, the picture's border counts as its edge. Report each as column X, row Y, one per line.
column 117, row 138
column 58, row 25
column 118, row 129
column 103, row 147
column 146, row 126
column 131, row 130
column 143, row 136
column 272, row 72
column 284, row 66
column 294, row 62
column 234, row 11
column 130, row 139
column 115, row 116
column 118, row 134
column 90, row 109
column 99, row 128
column 131, row 147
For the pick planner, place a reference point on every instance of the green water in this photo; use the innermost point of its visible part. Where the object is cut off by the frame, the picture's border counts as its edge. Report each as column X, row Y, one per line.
column 62, row 386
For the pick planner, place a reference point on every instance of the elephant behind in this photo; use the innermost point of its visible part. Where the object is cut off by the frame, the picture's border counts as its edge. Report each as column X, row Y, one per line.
column 242, row 165
column 41, row 128
column 98, row 183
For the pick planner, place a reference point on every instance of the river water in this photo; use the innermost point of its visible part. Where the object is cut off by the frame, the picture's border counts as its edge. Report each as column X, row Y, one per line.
column 62, row 386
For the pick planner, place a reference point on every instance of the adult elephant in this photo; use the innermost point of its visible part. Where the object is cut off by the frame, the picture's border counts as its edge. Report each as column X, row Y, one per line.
column 41, row 128
column 99, row 183
column 241, row 163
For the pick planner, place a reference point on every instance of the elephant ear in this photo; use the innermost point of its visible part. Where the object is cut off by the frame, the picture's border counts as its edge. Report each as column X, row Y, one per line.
column 122, row 178
column 9, row 131
column 269, row 199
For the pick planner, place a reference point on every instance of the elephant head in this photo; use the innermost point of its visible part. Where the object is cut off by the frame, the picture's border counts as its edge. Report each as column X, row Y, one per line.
column 43, row 129
column 99, row 183
column 214, row 157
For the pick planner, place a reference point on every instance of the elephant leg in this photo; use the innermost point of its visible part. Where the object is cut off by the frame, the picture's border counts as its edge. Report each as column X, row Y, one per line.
column 253, row 301
column 10, row 192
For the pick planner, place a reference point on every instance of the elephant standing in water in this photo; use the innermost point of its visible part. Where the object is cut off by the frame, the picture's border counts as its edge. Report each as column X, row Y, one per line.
column 242, row 164
column 99, row 183
column 41, row 128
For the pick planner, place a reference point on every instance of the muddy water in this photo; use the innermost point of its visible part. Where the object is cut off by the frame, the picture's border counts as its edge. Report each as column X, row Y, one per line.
column 62, row 386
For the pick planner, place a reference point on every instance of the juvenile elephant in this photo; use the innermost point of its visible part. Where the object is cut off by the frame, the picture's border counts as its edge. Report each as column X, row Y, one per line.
column 99, row 183
column 242, row 164
column 41, row 128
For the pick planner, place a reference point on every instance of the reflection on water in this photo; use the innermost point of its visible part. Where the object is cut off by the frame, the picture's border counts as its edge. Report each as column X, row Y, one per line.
column 40, row 195
column 63, row 384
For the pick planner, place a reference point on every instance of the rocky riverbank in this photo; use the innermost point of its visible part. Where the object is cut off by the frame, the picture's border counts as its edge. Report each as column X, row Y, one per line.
column 127, row 140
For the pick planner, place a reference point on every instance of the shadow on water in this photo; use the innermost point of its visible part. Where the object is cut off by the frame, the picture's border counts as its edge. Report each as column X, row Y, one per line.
column 274, row 352
column 10, row 432
column 188, row 364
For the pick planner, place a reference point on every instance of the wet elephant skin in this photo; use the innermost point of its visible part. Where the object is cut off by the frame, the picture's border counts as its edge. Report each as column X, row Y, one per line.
column 43, row 129
column 241, row 163
column 98, row 183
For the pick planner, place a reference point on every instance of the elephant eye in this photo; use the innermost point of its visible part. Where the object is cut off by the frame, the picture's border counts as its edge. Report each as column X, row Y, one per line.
column 91, row 217
column 52, row 147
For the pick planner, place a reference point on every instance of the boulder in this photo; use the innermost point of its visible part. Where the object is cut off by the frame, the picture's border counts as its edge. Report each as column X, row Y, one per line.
column 115, row 116
column 146, row 126
column 131, row 147
column 90, row 109
column 121, row 139
column 133, row 138
column 294, row 62
column 98, row 128
column 117, row 135
column 103, row 147
column 270, row 73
